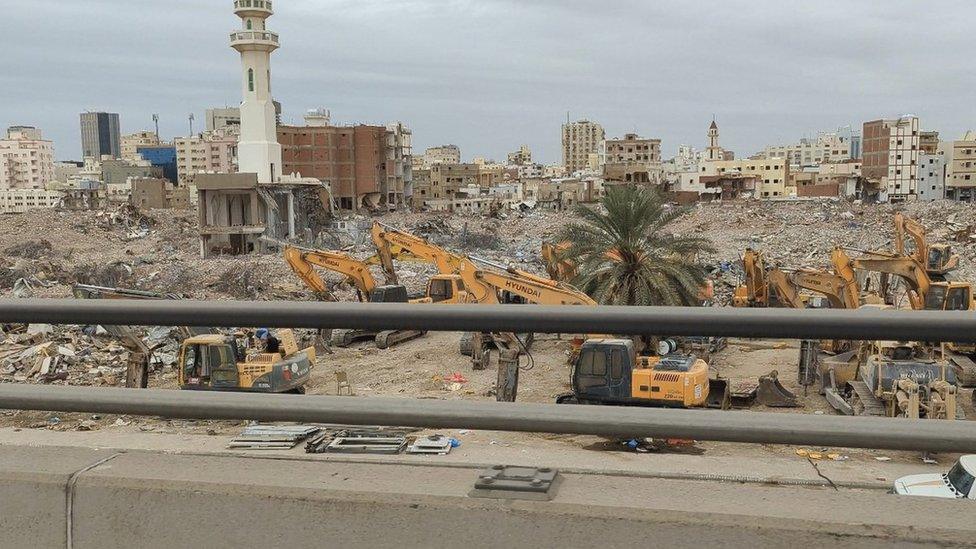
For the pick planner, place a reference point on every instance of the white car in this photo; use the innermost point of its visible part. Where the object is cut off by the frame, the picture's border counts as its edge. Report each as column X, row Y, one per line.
column 958, row 483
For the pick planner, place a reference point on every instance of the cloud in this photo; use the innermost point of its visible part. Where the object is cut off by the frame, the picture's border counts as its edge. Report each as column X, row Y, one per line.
column 492, row 74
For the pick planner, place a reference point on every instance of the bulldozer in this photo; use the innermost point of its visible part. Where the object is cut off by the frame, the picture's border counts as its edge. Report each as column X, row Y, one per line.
column 610, row 372
column 891, row 379
column 216, row 362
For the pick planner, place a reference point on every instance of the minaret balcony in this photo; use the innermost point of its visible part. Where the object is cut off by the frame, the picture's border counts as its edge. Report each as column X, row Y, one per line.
column 253, row 40
column 253, row 8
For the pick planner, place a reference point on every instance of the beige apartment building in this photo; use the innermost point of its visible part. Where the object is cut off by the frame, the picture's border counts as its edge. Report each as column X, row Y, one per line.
column 521, row 157
column 445, row 154
column 890, row 157
column 631, row 159
column 580, row 140
column 130, row 144
column 960, row 168
column 209, row 152
column 827, row 148
column 772, row 175
column 26, row 159
column 443, row 181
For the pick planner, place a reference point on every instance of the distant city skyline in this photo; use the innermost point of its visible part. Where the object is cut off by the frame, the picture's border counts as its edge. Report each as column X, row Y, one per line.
column 494, row 74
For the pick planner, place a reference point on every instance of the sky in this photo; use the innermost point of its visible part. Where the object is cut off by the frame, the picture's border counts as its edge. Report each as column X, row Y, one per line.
column 489, row 75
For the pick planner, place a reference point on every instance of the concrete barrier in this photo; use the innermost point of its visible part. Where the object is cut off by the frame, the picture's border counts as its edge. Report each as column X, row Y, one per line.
column 150, row 500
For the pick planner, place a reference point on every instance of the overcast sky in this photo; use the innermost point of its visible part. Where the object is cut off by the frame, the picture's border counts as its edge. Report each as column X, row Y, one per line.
column 489, row 75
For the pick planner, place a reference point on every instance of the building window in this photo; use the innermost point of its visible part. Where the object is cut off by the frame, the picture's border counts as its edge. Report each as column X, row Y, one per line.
column 249, row 25
column 250, row 79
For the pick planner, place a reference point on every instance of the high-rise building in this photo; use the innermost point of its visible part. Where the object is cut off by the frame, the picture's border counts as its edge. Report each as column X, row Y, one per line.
column 258, row 149
column 226, row 117
column 891, row 150
column 26, row 159
column 581, row 139
column 100, row 135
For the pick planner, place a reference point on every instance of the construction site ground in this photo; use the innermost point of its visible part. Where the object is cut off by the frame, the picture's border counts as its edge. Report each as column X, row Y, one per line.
column 158, row 251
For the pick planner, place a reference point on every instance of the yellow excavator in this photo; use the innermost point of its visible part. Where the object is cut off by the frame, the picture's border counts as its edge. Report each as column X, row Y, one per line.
column 209, row 360
column 356, row 272
column 773, row 287
column 484, row 283
column 937, row 259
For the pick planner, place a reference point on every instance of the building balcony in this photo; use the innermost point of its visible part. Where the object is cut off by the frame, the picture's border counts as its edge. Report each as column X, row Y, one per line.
column 254, row 40
column 253, row 8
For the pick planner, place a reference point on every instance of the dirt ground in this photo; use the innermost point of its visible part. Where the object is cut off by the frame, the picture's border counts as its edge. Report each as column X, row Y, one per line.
column 157, row 251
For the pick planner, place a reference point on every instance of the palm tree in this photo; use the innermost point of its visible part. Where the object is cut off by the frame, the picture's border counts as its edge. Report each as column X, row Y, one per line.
column 625, row 256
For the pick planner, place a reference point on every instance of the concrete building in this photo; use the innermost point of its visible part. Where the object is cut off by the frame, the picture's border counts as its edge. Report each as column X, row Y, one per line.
column 928, row 142
column 117, row 173
column 23, row 200
column 960, row 167
column 444, row 154
column 520, row 157
column 890, row 163
column 772, row 175
column 931, row 177
column 367, row 167
column 631, row 159
column 581, row 139
column 210, row 152
column 151, row 193
column 826, row 148
column 131, row 143
column 26, row 159
column 100, row 135
column 258, row 149
column 226, row 118
column 444, row 181
column 714, row 152
column 162, row 157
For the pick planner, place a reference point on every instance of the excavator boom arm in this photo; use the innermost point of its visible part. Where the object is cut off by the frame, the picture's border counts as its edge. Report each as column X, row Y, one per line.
column 357, row 273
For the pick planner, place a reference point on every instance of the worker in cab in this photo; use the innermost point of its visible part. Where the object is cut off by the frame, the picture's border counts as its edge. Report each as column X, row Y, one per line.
column 272, row 345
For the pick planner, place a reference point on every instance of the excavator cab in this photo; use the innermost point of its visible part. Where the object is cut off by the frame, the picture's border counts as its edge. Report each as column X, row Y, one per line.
column 219, row 363
column 446, row 289
column 940, row 259
column 948, row 296
column 608, row 371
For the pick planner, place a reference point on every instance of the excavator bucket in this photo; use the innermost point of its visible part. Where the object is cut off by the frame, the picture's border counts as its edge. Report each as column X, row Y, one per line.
column 719, row 395
column 772, row 394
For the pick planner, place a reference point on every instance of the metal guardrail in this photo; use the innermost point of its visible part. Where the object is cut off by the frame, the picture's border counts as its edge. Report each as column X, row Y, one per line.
column 864, row 324
column 608, row 421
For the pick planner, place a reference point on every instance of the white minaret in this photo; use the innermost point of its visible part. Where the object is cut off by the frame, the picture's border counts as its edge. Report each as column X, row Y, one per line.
column 714, row 151
column 258, row 149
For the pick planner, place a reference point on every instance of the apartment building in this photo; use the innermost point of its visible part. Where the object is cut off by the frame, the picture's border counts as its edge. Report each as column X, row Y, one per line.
column 444, row 154
column 521, row 157
column 631, row 159
column 367, row 167
column 931, row 177
column 772, row 175
column 928, row 142
column 890, row 157
column 443, row 182
column 131, row 143
column 227, row 118
column 100, row 135
column 23, row 200
column 960, row 167
column 581, row 139
column 26, row 159
column 825, row 149
column 210, row 152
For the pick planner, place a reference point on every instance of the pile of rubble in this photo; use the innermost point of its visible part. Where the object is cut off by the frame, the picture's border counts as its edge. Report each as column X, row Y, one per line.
column 74, row 355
